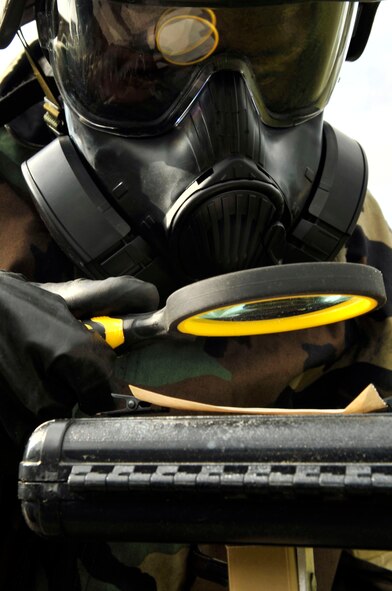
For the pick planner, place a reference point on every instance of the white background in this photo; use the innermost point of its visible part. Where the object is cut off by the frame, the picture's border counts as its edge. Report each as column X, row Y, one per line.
column 361, row 105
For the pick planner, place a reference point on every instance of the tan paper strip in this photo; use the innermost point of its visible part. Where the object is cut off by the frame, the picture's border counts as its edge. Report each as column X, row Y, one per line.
column 368, row 400
column 253, row 568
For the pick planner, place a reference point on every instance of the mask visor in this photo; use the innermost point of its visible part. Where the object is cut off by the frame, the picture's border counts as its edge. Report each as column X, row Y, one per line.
column 136, row 69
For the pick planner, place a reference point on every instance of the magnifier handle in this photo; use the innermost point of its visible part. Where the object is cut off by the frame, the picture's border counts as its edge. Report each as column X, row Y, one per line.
column 109, row 328
column 124, row 331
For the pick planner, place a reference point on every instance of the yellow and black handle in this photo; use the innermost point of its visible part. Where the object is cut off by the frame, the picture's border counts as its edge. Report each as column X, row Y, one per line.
column 123, row 331
column 110, row 329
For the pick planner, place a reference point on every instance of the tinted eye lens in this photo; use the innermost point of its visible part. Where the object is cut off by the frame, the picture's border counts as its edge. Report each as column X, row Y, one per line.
column 131, row 66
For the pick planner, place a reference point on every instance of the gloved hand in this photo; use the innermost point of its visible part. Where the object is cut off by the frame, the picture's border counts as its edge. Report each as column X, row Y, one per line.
column 115, row 295
column 48, row 360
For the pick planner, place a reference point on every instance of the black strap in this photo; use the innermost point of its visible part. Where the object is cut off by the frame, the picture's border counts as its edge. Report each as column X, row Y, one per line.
column 363, row 27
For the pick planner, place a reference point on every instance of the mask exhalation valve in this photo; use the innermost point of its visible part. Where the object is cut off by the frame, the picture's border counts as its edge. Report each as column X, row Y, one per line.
column 228, row 227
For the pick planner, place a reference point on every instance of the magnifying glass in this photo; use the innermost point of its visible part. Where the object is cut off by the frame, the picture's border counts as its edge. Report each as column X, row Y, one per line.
column 264, row 300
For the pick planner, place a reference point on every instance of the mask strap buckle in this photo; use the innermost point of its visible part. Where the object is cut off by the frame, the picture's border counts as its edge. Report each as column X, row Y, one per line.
column 54, row 115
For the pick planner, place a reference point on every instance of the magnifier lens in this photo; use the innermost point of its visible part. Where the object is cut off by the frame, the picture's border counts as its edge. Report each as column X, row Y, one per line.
column 279, row 314
column 277, row 308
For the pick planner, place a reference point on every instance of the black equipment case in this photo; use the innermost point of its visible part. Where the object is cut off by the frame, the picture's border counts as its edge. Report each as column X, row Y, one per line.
column 315, row 481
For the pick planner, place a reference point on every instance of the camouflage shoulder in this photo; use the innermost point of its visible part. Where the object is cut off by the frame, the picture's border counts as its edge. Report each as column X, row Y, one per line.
column 373, row 223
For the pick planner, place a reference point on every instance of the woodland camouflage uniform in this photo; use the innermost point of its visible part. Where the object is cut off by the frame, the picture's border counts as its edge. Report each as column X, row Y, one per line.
column 320, row 367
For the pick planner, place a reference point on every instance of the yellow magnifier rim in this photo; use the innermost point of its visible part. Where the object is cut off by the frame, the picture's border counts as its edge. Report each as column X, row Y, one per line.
column 352, row 306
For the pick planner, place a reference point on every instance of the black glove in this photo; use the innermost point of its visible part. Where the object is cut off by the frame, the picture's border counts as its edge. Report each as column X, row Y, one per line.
column 115, row 295
column 48, row 360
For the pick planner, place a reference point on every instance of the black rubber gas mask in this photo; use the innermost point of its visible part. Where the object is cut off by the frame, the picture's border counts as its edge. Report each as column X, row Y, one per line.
column 196, row 144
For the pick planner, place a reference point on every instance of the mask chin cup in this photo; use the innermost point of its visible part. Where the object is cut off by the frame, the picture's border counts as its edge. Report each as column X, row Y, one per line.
column 219, row 226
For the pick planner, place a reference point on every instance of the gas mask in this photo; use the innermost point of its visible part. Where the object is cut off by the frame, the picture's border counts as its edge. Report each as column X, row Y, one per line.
column 196, row 144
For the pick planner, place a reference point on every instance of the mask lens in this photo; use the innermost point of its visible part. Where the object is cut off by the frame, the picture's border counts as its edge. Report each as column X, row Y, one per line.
column 135, row 67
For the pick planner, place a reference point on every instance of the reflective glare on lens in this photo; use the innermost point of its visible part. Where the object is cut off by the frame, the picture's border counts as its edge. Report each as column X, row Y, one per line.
column 187, row 36
column 275, row 308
